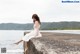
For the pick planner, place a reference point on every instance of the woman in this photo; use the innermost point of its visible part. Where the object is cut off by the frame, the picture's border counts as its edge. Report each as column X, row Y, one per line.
column 34, row 33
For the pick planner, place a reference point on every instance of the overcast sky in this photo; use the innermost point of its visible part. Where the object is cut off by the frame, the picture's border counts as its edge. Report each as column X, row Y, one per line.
column 20, row 11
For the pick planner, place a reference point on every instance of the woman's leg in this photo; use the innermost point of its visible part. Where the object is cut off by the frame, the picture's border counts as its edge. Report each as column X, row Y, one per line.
column 25, row 46
column 18, row 42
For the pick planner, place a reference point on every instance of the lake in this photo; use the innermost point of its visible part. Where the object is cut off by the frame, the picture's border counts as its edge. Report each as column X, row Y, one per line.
column 7, row 38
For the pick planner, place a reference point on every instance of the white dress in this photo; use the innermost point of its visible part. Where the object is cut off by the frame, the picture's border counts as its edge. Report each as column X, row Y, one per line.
column 35, row 33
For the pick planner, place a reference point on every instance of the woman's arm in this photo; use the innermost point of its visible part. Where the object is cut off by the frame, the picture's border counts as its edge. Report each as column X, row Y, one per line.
column 37, row 26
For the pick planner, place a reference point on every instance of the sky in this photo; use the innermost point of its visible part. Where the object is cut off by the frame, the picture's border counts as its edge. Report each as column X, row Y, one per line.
column 21, row 11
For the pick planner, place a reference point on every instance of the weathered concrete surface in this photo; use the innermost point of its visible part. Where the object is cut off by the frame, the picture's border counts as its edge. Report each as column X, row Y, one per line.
column 54, row 43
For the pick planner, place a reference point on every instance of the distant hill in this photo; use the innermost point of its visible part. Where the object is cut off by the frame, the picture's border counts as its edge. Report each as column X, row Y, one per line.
column 44, row 26
column 15, row 26
column 60, row 25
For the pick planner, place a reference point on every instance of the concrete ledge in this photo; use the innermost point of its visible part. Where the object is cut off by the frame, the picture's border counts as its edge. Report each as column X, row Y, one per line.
column 54, row 43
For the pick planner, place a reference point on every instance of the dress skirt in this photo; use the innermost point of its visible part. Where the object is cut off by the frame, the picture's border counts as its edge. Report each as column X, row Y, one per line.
column 32, row 34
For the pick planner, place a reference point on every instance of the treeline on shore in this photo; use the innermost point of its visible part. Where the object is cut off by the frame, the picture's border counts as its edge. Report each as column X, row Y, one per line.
column 44, row 26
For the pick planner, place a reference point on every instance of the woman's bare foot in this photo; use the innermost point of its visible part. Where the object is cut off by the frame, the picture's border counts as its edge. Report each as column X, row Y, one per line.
column 16, row 43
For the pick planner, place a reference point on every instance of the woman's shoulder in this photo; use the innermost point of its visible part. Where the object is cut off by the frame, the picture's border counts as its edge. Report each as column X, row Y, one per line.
column 36, row 22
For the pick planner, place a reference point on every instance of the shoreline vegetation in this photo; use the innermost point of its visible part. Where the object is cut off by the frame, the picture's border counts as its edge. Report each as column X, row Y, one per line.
column 44, row 26
column 62, row 29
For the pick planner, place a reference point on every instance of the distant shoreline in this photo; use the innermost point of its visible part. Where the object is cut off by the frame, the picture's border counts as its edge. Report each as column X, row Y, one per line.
column 44, row 26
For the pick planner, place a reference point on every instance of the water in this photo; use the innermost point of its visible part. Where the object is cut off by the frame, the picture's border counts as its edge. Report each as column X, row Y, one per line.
column 8, row 37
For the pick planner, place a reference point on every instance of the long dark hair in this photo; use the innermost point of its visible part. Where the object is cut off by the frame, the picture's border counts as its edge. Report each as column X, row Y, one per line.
column 35, row 16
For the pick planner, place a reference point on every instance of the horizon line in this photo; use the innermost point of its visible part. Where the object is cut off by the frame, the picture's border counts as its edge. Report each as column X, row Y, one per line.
column 31, row 22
